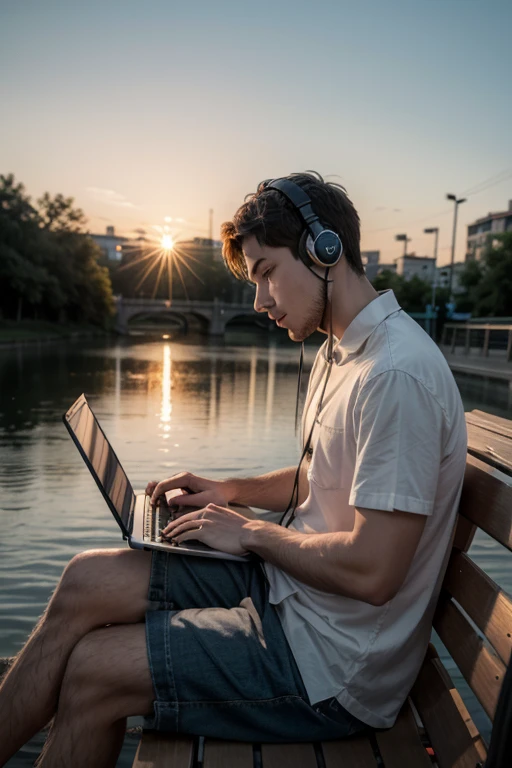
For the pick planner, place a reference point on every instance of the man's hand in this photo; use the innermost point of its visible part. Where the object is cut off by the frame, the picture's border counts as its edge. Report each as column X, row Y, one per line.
column 271, row 491
column 214, row 525
column 199, row 490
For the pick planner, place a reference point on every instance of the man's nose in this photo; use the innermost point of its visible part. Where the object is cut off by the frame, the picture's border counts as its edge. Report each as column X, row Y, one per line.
column 262, row 300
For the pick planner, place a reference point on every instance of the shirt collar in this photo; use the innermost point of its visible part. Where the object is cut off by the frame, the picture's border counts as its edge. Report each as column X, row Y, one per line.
column 364, row 324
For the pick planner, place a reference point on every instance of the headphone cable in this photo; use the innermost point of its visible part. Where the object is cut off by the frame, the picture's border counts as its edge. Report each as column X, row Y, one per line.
column 292, row 504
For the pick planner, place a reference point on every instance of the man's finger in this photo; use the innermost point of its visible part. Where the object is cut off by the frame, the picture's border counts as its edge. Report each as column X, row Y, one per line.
column 178, row 481
column 195, row 534
column 188, row 517
column 201, row 499
column 175, row 528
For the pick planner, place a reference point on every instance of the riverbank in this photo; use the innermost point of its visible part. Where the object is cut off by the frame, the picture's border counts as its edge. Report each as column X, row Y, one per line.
column 27, row 331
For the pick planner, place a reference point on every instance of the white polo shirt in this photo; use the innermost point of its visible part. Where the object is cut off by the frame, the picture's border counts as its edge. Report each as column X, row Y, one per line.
column 391, row 434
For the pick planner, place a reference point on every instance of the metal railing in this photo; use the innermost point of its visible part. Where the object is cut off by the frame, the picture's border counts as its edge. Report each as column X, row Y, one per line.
column 479, row 335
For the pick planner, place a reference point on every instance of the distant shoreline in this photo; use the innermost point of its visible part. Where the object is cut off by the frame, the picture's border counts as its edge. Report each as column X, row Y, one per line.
column 30, row 331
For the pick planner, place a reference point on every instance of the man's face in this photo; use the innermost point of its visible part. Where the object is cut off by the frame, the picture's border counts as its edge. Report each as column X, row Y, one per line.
column 285, row 288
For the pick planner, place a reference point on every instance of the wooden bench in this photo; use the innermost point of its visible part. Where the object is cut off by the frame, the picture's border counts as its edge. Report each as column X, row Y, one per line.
column 474, row 621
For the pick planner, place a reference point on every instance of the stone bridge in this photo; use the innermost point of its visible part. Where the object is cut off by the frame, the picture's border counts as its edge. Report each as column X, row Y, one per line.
column 216, row 314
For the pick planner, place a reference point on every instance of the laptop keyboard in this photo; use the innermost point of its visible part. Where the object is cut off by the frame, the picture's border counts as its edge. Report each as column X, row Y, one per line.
column 155, row 520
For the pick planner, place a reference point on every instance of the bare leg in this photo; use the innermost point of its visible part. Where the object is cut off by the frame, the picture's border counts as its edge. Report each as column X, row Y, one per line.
column 107, row 679
column 98, row 587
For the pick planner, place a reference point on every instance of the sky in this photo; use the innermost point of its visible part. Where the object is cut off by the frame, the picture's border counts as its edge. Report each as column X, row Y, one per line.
column 155, row 110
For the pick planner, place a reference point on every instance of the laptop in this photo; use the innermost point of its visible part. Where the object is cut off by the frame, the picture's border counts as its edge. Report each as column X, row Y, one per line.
column 140, row 521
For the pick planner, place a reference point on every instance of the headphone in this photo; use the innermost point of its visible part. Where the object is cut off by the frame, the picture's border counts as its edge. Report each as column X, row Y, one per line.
column 317, row 244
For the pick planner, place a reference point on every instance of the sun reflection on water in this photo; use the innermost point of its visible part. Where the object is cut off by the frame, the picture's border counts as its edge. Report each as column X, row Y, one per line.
column 166, row 409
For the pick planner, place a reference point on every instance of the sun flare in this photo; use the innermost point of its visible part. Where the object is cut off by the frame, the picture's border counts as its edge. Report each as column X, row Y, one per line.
column 159, row 257
column 167, row 242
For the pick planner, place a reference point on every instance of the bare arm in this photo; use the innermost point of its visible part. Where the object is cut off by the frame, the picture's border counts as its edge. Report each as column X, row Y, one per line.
column 270, row 491
column 368, row 563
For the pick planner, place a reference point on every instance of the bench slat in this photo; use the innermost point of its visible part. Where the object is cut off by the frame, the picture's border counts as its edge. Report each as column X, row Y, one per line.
column 452, row 733
column 352, row 753
column 483, row 600
column 483, row 672
column 464, row 534
column 219, row 754
column 161, row 749
column 401, row 745
column 288, row 756
column 486, row 500
column 491, row 422
column 490, row 446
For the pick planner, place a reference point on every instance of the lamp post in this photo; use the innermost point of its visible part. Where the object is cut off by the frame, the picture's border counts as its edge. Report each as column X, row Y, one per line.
column 456, row 203
column 405, row 241
column 429, row 231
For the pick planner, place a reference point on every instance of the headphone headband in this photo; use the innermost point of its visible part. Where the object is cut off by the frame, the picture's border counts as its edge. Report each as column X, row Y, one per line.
column 319, row 245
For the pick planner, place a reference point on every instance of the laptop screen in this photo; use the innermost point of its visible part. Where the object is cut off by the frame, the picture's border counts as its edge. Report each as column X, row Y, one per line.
column 101, row 460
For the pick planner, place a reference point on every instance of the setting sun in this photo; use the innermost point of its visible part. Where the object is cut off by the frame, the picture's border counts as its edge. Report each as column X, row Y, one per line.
column 167, row 242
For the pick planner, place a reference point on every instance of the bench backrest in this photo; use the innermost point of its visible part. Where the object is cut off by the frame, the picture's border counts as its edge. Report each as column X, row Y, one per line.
column 474, row 615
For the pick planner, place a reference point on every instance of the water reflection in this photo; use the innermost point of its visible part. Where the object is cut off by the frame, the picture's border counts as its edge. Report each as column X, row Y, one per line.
column 271, row 378
column 252, row 390
column 166, row 410
column 213, row 402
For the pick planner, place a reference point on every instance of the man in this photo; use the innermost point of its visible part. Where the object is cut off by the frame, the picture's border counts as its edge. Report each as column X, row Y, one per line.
column 321, row 634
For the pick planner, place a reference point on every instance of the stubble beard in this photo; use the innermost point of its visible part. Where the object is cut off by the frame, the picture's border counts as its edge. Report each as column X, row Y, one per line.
column 314, row 319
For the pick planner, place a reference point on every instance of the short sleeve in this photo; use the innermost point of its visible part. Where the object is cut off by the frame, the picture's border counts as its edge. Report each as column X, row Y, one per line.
column 398, row 426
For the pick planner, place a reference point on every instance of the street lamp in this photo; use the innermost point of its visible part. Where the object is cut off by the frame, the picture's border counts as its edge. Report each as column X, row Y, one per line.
column 456, row 203
column 430, row 231
column 405, row 240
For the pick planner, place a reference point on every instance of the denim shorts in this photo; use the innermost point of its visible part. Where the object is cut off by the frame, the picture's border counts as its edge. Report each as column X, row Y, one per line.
column 220, row 663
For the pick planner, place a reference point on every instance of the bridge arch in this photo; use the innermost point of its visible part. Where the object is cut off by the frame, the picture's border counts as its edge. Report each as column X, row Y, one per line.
column 173, row 317
column 214, row 314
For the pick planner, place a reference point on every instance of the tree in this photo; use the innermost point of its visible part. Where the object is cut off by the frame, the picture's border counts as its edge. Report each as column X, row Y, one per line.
column 19, row 227
column 488, row 283
column 197, row 273
column 58, row 215
column 413, row 295
column 48, row 267
column 469, row 278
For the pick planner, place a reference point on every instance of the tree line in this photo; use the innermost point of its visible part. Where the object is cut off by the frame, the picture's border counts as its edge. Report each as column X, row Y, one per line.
column 49, row 267
column 485, row 285
column 195, row 271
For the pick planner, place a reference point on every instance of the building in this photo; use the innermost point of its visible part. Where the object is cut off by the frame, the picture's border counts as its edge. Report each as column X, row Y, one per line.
column 372, row 264
column 410, row 266
column 208, row 243
column 370, row 261
column 111, row 244
column 443, row 276
column 482, row 231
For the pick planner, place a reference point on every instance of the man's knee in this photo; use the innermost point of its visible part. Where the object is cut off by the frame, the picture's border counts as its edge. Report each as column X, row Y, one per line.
column 78, row 582
column 106, row 586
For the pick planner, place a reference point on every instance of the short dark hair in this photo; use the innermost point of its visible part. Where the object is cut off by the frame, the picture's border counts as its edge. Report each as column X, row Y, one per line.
column 270, row 217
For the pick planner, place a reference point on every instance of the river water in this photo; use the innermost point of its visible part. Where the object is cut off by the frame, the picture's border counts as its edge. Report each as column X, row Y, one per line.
column 222, row 408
